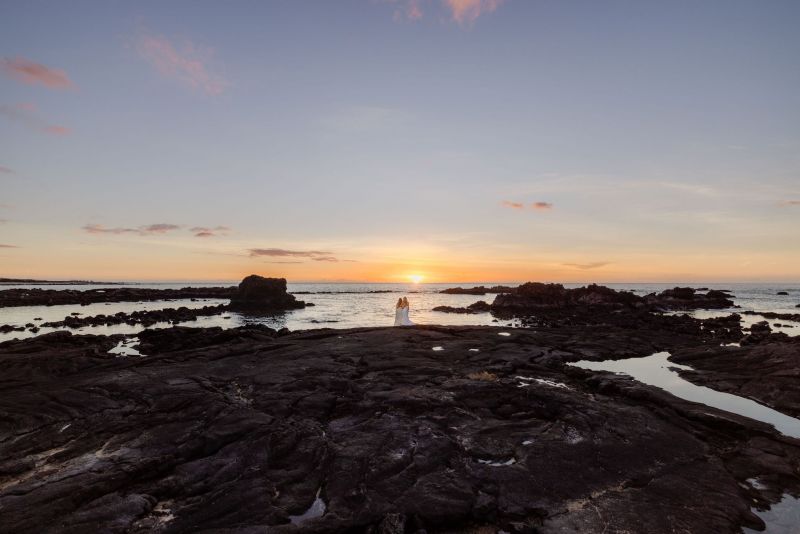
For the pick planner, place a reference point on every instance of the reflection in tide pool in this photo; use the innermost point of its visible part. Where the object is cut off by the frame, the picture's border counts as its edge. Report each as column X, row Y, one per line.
column 781, row 518
column 656, row 370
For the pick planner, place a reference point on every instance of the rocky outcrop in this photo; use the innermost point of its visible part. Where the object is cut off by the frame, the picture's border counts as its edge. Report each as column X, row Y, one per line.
column 145, row 318
column 368, row 430
column 479, row 290
column 768, row 371
column 537, row 296
column 476, row 307
column 52, row 297
column 687, row 298
column 258, row 294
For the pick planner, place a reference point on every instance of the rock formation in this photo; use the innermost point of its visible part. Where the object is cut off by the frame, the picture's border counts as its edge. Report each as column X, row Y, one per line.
column 259, row 294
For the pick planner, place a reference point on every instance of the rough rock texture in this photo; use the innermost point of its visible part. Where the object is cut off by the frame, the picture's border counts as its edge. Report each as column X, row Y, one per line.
column 51, row 297
column 687, row 298
column 535, row 295
column 476, row 307
column 768, row 372
column 258, row 294
column 479, row 290
column 368, row 430
column 144, row 317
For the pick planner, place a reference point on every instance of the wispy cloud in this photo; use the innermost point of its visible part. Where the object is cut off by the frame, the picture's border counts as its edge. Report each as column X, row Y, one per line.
column 203, row 231
column 284, row 253
column 468, row 11
column 5, row 170
column 150, row 229
column 539, row 206
column 32, row 73
column 8, row 246
column 188, row 65
column 314, row 255
column 587, row 266
column 790, row 203
column 465, row 12
column 3, row 221
column 27, row 114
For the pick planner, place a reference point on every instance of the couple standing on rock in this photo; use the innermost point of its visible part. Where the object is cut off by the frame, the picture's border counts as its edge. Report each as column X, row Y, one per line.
column 401, row 313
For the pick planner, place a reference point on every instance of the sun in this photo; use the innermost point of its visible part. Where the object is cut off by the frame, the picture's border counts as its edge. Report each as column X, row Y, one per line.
column 416, row 278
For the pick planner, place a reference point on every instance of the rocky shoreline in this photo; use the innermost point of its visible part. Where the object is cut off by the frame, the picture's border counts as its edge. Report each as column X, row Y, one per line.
column 423, row 429
column 435, row 429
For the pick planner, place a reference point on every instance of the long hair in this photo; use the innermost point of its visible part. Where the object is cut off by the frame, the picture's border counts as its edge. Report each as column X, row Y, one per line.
column 405, row 302
column 399, row 303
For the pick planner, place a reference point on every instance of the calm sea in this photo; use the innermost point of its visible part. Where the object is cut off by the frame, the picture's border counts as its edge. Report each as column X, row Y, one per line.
column 346, row 305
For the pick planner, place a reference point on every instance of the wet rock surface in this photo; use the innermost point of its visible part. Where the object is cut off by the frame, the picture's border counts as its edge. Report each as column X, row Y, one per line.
column 143, row 317
column 476, row 307
column 52, row 297
column 258, row 294
column 767, row 371
column 369, row 430
column 479, row 290
column 687, row 298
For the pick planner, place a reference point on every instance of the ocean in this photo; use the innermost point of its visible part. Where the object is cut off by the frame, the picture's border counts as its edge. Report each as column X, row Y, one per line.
column 348, row 305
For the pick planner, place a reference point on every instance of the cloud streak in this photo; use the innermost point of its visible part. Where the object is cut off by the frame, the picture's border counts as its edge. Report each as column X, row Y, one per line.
column 203, row 231
column 538, row 206
column 32, row 73
column 8, row 246
column 150, row 229
column 314, row 255
column 587, row 266
column 790, row 203
column 27, row 114
column 187, row 65
column 5, row 170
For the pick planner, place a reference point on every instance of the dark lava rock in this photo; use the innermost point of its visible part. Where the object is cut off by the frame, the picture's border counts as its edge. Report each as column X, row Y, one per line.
column 144, row 317
column 687, row 298
column 759, row 332
column 781, row 293
column 479, row 290
column 476, row 307
column 259, row 294
column 535, row 295
column 768, row 372
column 52, row 297
column 367, row 430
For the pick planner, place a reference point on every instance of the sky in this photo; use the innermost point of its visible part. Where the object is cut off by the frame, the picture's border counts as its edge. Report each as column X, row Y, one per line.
column 385, row 140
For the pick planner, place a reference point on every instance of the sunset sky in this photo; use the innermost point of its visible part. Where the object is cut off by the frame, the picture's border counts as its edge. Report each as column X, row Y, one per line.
column 374, row 140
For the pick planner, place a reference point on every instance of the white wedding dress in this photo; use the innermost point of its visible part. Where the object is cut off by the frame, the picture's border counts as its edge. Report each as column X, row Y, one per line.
column 401, row 317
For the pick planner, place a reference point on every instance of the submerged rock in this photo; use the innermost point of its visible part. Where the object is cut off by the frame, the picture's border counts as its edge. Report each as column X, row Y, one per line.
column 259, row 294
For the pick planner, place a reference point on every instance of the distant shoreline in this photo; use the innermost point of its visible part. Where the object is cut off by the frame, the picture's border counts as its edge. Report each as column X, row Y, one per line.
column 21, row 281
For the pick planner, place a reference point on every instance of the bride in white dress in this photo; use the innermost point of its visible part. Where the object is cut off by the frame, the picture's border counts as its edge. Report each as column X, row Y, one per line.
column 401, row 313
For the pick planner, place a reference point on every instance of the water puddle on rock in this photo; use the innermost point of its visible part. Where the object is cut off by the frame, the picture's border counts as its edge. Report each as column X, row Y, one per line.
column 656, row 370
column 317, row 509
column 781, row 518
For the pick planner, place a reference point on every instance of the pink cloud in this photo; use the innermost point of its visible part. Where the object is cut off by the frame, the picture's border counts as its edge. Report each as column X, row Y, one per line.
column 26, row 71
column 467, row 11
column 27, row 114
column 5, row 170
column 542, row 206
column 202, row 231
column 187, row 65
column 790, row 203
column 58, row 130
column 513, row 205
column 150, row 229
column 8, row 246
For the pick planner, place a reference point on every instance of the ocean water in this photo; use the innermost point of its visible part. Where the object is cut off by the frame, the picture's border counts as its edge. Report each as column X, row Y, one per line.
column 348, row 305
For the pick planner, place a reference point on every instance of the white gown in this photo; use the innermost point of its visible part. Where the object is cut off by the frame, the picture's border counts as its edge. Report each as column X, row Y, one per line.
column 401, row 317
